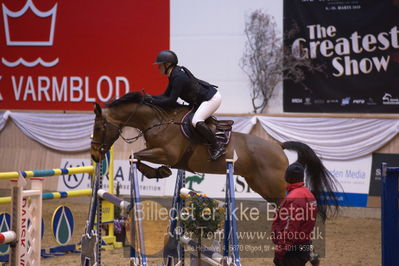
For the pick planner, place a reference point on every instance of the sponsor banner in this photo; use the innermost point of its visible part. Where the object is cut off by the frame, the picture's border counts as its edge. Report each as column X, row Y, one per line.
column 355, row 43
column 65, row 55
column 378, row 159
column 353, row 176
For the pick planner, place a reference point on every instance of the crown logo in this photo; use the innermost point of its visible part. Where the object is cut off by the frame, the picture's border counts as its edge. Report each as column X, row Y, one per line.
column 10, row 16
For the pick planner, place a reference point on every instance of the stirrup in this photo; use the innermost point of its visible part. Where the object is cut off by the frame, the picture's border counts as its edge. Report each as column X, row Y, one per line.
column 216, row 153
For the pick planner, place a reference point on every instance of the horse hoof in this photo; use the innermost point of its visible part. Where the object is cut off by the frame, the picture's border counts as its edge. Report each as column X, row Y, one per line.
column 164, row 171
column 147, row 171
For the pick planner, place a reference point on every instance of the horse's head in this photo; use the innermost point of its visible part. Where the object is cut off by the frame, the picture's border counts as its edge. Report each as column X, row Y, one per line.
column 104, row 135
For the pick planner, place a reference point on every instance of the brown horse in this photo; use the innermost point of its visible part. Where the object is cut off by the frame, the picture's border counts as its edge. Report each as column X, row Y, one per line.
column 261, row 162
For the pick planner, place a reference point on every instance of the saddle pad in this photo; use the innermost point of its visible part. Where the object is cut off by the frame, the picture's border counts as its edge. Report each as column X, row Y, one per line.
column 222, row 132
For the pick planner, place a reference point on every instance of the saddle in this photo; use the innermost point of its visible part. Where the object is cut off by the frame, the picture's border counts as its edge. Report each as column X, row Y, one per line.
column 220, row 128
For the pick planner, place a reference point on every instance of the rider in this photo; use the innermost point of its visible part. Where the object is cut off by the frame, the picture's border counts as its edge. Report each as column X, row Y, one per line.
column 200, row 94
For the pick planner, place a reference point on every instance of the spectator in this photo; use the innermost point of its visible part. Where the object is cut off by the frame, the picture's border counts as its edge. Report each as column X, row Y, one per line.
column 295, row 220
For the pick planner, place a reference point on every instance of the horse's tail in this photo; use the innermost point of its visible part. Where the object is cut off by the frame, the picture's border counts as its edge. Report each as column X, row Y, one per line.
column 322, row 182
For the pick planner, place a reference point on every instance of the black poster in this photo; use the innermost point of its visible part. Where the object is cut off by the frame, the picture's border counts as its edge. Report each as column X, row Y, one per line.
column 375, row 181
column 355, row 43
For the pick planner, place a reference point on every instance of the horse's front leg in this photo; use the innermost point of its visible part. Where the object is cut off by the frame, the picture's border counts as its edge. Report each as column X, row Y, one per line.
column 155, row 155
column 149, row 172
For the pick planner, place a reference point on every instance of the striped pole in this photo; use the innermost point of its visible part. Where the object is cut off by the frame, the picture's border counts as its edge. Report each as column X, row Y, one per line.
column 110, row 238
column 67, row 194
column 7, row 237
column 50, row 172
column 56, row 195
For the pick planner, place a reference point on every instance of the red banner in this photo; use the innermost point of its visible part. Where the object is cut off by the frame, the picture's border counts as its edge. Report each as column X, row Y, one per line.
column 65, row 55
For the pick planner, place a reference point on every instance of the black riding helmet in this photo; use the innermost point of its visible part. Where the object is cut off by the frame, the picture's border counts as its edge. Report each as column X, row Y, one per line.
column 166, row 56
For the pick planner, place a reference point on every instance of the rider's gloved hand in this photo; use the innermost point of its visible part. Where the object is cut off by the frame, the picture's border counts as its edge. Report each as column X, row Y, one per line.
column 147, row 98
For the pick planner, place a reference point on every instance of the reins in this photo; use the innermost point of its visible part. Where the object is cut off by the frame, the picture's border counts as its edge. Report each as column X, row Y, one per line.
column 142, row 133
column 131, row 140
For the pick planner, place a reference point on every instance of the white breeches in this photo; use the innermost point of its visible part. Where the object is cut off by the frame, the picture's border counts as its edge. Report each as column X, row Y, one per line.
column 206, row 109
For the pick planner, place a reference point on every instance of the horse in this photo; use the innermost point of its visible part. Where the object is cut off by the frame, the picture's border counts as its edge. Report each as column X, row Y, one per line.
column 261, row 162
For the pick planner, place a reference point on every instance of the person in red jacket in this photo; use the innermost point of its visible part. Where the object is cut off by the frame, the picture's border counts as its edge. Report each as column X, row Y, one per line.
column 295, row 220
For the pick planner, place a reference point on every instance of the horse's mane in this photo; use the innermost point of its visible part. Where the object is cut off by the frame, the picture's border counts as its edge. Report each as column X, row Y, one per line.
column 138, row 97
column 131, row 97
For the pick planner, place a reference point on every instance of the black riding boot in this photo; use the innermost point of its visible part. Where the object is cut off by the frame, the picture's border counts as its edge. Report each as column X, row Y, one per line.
column 217, row 149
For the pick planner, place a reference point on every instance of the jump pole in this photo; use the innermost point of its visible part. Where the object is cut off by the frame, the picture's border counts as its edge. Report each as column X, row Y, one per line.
column 7, row 237
column 121, row 203
column 56, row 195
column 51, row 172
column 231, row 221
column 107, row 207
column 137, row 256
column 173, row 252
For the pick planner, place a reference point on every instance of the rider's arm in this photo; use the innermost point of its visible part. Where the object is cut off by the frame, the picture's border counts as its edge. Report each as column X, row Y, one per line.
column 169, row 99
column 163, row 95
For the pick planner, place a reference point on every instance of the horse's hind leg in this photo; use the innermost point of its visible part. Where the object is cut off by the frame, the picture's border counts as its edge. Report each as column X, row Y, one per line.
column 265, row 176
column 269, row 184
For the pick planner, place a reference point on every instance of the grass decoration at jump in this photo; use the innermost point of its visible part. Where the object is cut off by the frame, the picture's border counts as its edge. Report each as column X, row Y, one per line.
column 201, row 215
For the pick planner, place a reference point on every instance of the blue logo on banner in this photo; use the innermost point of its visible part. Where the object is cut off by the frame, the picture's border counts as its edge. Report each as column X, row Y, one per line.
column 62, row 225
column 74, row 181
column 106, row 163
column 350, row 199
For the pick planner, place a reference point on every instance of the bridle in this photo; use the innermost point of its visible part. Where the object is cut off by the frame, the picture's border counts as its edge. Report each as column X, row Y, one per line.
column 106, row 124
column 102, row 146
